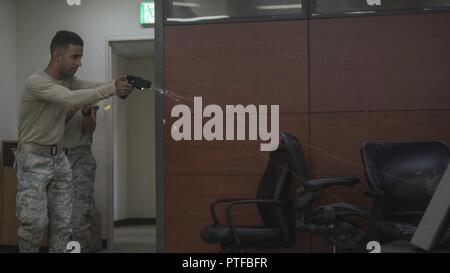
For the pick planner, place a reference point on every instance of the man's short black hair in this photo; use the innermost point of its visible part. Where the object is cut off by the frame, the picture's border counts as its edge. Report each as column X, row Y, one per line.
column 64, row 38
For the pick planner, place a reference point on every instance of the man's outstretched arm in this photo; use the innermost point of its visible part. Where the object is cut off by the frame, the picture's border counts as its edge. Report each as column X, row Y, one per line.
column 50, row 91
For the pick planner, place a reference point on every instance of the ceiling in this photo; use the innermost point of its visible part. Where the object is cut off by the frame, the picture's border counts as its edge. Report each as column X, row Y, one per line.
column 134, row 49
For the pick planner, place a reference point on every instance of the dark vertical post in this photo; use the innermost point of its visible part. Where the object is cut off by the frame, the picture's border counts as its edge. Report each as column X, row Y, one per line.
column 159, row 103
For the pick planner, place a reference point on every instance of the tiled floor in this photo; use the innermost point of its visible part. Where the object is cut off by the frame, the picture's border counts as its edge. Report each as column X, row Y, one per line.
column 134, row 239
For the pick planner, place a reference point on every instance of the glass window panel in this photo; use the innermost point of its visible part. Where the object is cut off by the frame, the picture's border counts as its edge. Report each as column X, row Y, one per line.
column 198, row 11
column 324, row 8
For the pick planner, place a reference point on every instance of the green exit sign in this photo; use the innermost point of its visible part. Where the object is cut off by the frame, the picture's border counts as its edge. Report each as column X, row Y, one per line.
column 147, row 13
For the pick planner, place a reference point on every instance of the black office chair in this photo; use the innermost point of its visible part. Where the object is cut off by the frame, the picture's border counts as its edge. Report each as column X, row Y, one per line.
column 341, row 224
column 284, row 194
column 275, row 201
column 402, row 178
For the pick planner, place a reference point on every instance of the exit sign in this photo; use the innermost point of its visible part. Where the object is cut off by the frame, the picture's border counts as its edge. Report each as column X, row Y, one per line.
column 147, row 13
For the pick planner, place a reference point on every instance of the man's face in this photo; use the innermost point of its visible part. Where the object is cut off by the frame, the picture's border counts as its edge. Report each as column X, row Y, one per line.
column 69, row 60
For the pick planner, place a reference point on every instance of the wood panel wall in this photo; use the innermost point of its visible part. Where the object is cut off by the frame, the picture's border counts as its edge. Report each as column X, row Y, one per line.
column 227, row 64
column 338, row 82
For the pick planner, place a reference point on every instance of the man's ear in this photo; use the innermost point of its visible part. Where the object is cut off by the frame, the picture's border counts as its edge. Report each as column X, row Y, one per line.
column 57, row 54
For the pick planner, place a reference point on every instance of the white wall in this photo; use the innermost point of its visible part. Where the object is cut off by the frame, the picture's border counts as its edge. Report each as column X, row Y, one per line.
column 8, row 111
column 141, row 144
column 134, row 140
column 120, row 149
column 96, row 21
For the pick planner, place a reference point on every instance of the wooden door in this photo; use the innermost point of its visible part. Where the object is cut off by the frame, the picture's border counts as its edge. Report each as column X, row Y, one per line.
column 8, row 190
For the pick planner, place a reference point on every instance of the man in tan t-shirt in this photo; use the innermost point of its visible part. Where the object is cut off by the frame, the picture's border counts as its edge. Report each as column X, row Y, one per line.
column 77, row 141
column 45, row 189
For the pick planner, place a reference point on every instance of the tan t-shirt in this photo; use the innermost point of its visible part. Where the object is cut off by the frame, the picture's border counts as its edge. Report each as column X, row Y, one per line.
column 44, row 105
column 74, row 135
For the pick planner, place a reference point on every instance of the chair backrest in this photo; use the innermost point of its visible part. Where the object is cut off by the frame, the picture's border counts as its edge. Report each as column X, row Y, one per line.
column 407, row 172
column 280, row 182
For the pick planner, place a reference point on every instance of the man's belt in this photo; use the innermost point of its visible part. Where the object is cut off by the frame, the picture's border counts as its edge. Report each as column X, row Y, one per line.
column 51, row 150
column 77, row 150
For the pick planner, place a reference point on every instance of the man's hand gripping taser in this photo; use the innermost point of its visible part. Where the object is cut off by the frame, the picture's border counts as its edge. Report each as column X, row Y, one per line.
column 138, row 83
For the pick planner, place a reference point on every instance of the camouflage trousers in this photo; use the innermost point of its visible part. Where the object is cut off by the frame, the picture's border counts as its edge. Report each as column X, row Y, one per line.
column 44, row 198
column 83, row 171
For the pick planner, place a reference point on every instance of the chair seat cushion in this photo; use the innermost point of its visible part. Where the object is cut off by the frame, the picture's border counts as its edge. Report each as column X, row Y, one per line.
column 254, row 235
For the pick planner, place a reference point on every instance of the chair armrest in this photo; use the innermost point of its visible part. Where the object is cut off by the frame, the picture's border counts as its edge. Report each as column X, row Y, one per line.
column 212, row 207
column 246, row 202
column 375, row 194
column 348, row 181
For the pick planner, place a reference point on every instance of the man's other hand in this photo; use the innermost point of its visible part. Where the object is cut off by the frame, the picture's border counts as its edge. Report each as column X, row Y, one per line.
column 71, row 112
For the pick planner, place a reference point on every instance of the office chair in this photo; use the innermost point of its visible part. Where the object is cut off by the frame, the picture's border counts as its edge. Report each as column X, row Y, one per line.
column 341, row 224
column 284, row 201
column 275, row 201
column 402, row 178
